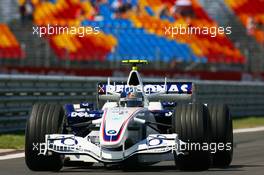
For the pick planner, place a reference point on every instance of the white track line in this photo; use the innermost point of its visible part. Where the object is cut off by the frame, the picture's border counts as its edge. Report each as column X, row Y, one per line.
column 248, row 130
column 12, row 156
column 235, row 131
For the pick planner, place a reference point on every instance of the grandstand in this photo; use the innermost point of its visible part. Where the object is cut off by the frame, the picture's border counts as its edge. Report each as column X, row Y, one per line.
column 9, row 46
column 137, row 32
column 251, row 14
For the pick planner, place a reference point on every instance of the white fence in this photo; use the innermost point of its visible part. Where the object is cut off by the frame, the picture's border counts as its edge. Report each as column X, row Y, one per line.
column 19, row 92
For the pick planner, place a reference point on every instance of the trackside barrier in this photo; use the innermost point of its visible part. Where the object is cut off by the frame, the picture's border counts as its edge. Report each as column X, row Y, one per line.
column 19, row 92
column 243, row 98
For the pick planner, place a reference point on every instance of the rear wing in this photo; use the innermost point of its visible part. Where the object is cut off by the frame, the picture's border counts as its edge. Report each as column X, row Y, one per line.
column 171, row 91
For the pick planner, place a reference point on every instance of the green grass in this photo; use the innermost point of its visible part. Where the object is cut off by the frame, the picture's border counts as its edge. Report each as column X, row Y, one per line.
column 12, row 140
column 17, row 140
column 248, row 122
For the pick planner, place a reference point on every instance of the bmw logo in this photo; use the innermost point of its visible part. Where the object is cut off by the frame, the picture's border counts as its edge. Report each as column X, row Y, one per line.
column 111, row 132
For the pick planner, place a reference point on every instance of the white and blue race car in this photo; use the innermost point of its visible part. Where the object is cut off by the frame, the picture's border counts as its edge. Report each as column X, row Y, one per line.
column 139, row 124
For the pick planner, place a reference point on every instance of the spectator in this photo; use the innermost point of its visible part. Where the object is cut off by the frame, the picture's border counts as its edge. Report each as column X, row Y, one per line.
column 29, row 10
column 93, row 2
column 182, row 7
column 250, row 26
column 116, row 5
column 127, row 5
column 96, row 3
column 164, row 12
column 260, row 25
column 120, row 7
column 22, row 11
column 138, row 9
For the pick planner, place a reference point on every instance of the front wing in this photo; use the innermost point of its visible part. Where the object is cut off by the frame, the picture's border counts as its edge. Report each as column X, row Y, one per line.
column 72, row 145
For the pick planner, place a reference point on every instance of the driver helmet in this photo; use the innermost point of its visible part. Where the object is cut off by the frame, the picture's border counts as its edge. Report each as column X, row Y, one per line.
column 132, row 99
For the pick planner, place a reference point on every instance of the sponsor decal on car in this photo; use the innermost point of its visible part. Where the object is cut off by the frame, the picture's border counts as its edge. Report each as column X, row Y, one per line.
column 111, row 132
column 169, row 88
column 81, row 114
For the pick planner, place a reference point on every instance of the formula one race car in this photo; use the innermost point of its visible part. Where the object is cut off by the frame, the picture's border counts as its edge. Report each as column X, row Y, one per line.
column 139, row 124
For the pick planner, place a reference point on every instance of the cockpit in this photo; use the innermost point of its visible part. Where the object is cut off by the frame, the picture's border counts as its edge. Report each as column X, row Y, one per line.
column 132, row 99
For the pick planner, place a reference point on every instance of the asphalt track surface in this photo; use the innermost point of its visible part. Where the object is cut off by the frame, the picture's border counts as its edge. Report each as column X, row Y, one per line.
column 248, row 160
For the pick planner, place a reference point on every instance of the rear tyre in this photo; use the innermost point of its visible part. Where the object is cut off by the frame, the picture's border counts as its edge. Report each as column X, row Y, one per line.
column 191, row 123
column 44, row 119
column 222, row 133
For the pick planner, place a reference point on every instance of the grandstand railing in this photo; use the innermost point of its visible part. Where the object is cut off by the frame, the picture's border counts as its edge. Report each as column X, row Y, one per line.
column 19, row 92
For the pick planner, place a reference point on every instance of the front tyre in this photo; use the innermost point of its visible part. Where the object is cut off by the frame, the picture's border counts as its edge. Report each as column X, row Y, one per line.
column 44, row 119
column 191, row 123
column 222, row 133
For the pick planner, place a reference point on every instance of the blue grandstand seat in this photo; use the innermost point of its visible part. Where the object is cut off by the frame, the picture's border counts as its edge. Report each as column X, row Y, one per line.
column 149, row 11
column 137, row 43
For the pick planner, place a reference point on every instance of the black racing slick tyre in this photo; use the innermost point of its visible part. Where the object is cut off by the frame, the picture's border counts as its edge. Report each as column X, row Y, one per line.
column 44, row 119
column 191, row 123
column 222, row 134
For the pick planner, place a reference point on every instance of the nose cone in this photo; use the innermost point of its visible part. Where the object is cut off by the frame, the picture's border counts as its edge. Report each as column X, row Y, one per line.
column 113, row 130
